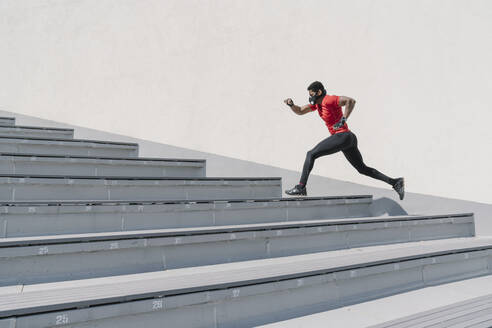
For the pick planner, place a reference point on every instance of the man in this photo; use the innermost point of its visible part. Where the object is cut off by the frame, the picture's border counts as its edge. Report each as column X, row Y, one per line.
column 329, row 108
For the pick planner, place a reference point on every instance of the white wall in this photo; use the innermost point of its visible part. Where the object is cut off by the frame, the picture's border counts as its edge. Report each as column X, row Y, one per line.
column 212, row 75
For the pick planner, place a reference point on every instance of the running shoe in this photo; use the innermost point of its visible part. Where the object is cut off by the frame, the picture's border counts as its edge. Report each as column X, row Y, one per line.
column 297, row 190
column 399, row 187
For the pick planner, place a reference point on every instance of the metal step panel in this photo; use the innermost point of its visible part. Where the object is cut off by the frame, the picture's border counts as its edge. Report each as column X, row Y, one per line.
column 9, row 121
column 474, row 313
column 50, row 146
column 35, row 132
column 31, row 260
column 100, row 166
column 23, row 219
column 52, row 188
column 249, row 293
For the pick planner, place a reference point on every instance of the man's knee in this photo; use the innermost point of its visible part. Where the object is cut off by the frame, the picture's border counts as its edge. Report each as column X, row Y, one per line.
column 366, row 170
column 311, row 154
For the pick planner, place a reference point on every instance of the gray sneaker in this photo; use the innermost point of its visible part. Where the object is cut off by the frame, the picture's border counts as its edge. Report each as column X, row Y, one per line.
column 297, row 190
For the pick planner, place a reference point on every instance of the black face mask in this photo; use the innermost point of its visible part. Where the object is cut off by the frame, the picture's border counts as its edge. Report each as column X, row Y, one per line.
column 314, row 99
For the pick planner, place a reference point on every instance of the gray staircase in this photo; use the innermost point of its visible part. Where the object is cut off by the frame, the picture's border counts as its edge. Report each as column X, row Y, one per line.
column 7, row 121
column 474, row 313
column 35, row 132
column 82, row 256
column 24, row 219
column 92, row 235
column 11, row 163
column 248, row 293
column 56, row 146
column 16, row 187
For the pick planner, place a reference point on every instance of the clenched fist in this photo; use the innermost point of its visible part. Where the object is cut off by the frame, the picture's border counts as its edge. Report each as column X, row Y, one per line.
column 289, row 102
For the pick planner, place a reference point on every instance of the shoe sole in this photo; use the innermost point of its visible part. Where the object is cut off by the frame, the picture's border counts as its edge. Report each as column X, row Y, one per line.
column 295, row 194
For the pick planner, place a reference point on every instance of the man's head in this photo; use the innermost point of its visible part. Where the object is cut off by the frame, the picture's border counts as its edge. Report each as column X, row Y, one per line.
column 316, row 92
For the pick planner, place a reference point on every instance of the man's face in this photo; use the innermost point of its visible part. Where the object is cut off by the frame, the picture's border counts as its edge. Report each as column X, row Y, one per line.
column 314, row 96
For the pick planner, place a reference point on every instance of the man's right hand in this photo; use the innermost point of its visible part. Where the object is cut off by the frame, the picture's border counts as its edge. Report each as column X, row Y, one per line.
column 297, row 109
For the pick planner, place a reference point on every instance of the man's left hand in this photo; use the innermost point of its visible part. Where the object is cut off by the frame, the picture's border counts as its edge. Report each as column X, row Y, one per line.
column 340, row 123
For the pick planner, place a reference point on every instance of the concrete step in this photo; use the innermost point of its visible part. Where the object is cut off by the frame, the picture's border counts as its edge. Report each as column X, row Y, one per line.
column 28, row 260
column 9, row 121
column 474, row 313
column 22, row 219
column 248, row 293
column 16, row 187
column 55, row 146
column 35, row 132
column 386, row 310
column 11, row 163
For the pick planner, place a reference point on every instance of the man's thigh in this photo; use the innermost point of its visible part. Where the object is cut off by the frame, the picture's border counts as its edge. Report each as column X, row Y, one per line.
column 331, row 145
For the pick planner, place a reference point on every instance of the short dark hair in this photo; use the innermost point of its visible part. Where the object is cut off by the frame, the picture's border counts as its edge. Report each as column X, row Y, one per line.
column 316, row 86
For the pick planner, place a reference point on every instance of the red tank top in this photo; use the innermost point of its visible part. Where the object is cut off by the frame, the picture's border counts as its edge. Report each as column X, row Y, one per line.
column 331, row 113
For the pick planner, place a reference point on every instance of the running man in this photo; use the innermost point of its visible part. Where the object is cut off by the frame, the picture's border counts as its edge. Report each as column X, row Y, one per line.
column 329, row 108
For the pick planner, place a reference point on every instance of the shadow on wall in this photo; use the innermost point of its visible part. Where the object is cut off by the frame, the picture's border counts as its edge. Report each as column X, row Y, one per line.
column 386, row 206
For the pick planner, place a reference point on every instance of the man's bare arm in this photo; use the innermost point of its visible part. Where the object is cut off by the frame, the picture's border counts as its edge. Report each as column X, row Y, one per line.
column 298, row 109
column 349, row 104
column 301, row 110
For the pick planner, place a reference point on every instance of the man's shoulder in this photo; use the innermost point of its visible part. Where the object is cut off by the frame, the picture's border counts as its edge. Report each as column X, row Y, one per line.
column 330, row 100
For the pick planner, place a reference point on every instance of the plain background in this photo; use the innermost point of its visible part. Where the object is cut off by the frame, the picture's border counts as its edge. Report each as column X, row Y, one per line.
column 212, row 76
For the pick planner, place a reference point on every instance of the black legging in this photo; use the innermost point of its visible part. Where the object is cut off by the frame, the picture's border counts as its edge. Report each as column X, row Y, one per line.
column 347, row 143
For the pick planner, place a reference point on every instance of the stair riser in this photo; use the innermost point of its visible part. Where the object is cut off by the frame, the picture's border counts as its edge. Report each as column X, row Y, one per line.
column 7, row 121
column 65, row 148
column 51, row 220
column 35, row 133
column 13, row 189
column 49, row 263
column 86, row 167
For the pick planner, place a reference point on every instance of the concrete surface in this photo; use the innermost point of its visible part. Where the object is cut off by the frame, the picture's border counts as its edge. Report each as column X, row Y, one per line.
column 413, row 303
